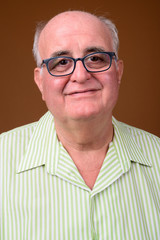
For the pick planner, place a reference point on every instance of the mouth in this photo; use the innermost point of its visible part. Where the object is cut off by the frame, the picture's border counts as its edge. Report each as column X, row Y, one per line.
column 83, row 92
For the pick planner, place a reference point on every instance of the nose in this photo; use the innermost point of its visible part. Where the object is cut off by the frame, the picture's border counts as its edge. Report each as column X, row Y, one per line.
column 80, row 74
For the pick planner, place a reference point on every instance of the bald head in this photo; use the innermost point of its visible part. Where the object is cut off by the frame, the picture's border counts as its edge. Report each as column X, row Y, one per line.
column 72, row 20
column 65, row 17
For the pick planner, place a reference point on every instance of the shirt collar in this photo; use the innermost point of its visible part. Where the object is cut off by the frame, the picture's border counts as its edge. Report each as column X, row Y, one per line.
column 44, row 147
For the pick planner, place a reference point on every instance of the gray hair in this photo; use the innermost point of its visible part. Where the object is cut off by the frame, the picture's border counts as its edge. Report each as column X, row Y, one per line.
column 114, row 33
column 40, row 26
column 36, row 54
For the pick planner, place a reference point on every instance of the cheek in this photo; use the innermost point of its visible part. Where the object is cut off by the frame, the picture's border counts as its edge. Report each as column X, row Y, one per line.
column 110, row 82
column 110, row 88
column 51, row 96
column 53, row 88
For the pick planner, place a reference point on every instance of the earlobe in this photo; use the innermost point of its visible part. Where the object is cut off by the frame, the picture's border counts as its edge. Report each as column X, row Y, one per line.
column 38, row 80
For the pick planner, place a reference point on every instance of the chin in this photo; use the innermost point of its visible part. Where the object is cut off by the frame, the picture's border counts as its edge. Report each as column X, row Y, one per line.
column 84, row 115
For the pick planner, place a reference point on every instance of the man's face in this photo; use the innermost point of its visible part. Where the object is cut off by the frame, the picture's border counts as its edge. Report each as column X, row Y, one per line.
column 81, row 95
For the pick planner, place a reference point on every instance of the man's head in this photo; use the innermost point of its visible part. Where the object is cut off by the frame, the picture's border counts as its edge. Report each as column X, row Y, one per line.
column 82, row 94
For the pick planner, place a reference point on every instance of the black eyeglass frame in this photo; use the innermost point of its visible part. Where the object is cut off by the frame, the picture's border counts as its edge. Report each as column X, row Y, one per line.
column 46, row 61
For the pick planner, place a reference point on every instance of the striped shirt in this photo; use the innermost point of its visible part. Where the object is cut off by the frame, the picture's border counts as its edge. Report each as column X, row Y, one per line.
column 43, row 196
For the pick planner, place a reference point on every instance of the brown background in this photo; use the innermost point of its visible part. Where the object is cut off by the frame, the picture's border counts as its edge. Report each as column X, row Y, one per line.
column 139, row 31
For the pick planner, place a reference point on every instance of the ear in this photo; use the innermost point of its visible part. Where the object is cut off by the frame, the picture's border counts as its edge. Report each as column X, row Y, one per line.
column 39, row 80
column 120, row 68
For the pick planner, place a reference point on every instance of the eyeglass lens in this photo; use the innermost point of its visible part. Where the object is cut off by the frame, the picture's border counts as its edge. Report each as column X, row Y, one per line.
column 95, row 62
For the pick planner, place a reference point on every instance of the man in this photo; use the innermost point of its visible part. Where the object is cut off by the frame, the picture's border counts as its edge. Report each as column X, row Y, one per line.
column 78, row 173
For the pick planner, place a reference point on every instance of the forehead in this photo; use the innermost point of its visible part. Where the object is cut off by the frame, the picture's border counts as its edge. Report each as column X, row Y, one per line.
column 74, row 31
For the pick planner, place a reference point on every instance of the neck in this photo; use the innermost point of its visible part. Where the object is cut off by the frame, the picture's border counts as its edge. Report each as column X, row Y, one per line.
column 87, row 143
column 85, row 135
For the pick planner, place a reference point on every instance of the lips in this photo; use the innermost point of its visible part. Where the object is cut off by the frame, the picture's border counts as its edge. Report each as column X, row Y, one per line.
column 82, row 91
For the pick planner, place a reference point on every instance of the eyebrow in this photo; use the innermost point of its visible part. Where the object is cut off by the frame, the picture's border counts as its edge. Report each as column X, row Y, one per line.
column 86, row 51
column 60, row 53
column 94, row 49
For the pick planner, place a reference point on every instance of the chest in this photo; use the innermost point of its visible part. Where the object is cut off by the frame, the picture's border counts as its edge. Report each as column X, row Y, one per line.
column 37, row 205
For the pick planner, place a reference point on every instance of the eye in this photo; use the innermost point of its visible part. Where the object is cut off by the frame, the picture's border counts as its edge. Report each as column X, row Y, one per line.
column 58, row 63
column 95, row 58
column 62, row 62
column 97, row 61
column 98, row 58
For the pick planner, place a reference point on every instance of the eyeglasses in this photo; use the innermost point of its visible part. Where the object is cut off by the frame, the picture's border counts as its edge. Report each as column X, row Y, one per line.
column 94, row 62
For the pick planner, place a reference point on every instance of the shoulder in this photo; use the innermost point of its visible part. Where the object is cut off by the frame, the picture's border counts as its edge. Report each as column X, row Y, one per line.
column 136, row 132
column 141, row 135
column 17, row 136
column 13, row 145
column 18, row 130
column 148, row 143
column 17, row 140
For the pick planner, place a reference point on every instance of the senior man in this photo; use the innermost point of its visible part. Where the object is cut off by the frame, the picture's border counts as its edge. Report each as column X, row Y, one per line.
column 78, row 173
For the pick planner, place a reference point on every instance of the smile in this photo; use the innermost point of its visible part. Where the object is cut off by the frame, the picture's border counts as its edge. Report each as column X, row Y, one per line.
column 84, row 92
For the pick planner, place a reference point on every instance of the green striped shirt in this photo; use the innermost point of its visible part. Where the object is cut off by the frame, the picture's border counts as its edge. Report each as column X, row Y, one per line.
column 43, row 196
